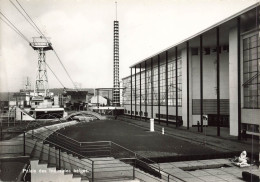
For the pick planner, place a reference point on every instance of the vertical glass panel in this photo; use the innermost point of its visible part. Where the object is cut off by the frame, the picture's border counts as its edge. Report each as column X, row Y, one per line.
column 253, row 41
column 245, row 44
column 246, row 55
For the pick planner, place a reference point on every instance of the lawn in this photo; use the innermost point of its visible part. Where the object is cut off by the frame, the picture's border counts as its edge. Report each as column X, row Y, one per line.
column 137, row 139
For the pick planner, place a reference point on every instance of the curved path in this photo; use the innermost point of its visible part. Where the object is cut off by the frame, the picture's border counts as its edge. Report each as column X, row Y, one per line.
column 86, row 113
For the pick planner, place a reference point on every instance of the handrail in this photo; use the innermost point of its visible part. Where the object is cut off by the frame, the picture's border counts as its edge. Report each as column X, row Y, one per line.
column 58, row 132
column 69, row 161
column 135, row 153
column 127, row 118
column 95, row 142
column 151, row 165
column 163, row 170
column 61, row 147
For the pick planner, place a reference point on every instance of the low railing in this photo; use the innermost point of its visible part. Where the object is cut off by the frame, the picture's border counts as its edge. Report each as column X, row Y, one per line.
column 79, row 165
column 84, row 150
column 111, row 149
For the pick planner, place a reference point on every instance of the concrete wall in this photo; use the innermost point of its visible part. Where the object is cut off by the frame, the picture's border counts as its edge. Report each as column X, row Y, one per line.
column 233, row 86
column 210, row 76
column 21, row 115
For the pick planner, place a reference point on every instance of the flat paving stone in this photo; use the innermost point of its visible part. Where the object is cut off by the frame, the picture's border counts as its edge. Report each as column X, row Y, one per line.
column 209, row 162
column 231, row 170
column 193, row 179
column 227, row 177
column 180, row 164
column 199, row 173
column 222, row 161
column 194, row 163
column 210, row 178
column 167, row 165
column 183, row 175
column 173, row 171
column 236, row 180
column 214, row 171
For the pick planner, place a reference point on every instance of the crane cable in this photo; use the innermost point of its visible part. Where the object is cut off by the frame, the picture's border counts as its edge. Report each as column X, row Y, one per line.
column 13, row 27
column 24, row 16
column 54, row 75
column 48, row 42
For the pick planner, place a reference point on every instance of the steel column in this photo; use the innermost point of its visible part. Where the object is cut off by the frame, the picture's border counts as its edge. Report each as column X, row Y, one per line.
column 131, row 94
column 188, row 84
column 135, row 93
column 152, row 88
column 140, row 93
column 59, row 160
column 166, row 87
column 176, row 84
column 98, row 98
column 238, row 78
column 93, row 171
column 159, row 95
column 201, row 83
column 145, row 82
column 24, row 143
column 218, row 89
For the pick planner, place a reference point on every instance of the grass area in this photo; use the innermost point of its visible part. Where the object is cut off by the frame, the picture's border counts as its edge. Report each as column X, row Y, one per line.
column 134, row 138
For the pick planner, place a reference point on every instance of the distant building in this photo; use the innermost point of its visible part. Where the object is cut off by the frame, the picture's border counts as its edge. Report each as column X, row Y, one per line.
column 98, row 100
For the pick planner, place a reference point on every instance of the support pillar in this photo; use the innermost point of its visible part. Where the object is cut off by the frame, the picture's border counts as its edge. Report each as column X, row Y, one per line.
column 166, row 86
column 140, row 94
column 238, row 78
column 176, row 83
column 201, row 83
column 218, row 89
column 135, row 93
column 131, row 94
column 145, row 82
column 159, row 94
column 152, row 88
column 188, row 85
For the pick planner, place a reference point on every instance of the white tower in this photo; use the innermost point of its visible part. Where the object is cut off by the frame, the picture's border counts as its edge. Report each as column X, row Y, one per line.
column 116, row 85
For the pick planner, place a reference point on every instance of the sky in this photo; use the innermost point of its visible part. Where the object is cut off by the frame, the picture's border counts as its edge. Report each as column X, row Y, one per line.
column 81, row 32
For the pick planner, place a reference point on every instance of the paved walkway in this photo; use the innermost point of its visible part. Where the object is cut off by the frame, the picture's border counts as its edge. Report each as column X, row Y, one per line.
column 219, row 170
column 225, row 143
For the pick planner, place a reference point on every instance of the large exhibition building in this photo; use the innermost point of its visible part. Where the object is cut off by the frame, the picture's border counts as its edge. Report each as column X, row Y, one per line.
column 211, row 78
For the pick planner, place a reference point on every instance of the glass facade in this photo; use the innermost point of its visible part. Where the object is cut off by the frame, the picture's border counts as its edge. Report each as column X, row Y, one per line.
column 152, row 85
column 251, row 67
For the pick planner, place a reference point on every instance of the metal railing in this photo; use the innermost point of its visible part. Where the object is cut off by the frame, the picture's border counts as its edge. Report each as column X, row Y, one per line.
column 99, row 168
column 65, row 161
column 111, row 149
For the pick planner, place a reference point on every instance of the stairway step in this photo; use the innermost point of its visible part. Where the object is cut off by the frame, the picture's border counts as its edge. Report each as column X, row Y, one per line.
column 36, row 153
column 30, row 144
column 44, row 154
column 52, row 157
column 59, row 160
column 66, row 161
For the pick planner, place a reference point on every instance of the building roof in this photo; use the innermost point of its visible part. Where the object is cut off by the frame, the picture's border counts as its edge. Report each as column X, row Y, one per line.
column 199, row 33
column 6, row 96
